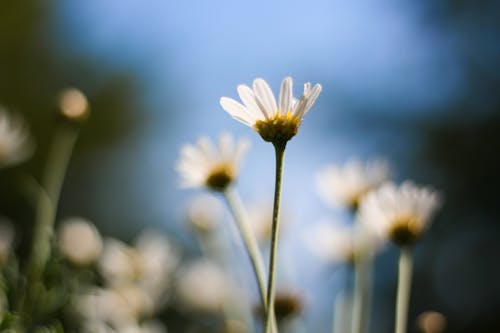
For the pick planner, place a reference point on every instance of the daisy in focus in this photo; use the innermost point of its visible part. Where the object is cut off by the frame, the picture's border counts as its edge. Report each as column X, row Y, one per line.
column 205, row 164
column 15, row 143
column 399, row 213
column 276, row 122
column 347, row 184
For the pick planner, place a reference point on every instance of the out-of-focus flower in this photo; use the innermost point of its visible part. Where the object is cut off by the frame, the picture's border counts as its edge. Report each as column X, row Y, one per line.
column 337, row 242
column 119, row 307
column 204, row 213
column 400, row 213
column 207, row 165
column 79, row 241
column 149, row 264
column 202, row 286
column 15, row 143
column 275, row 122
column 431, row 322
column 346, row 185
column 74, row 105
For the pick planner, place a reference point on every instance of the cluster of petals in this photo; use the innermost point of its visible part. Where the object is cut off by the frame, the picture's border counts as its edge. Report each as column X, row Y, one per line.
column 407, row 205
column 346, row 185
column 259, row 103
column 198, row 162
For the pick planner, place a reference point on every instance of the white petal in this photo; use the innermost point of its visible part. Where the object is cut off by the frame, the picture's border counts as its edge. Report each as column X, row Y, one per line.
column 248, row 98
column 237, row 111
column 309, row 101
column 286, row 95
column 265, row 96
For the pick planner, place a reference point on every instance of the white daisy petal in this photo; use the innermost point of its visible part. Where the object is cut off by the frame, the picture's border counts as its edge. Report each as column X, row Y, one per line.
column 237, row 111
column 264, row 95
column 248, row 98
column 286, row 95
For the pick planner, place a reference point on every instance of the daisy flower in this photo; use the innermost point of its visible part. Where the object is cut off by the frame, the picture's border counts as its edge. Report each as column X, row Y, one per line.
column 338, row 242
column 276, row 122
column 74, row 105
column 206, row 165
column 347, row 184
column 400, row 213
column 15, row 143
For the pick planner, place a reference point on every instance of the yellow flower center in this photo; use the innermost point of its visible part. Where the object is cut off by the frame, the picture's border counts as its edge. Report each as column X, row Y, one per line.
column 220, row 177
column 405, row 230
column 279, row 128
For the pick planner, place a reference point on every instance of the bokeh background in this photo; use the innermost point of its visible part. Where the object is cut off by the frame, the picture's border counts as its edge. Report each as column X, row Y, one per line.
column 415, row 82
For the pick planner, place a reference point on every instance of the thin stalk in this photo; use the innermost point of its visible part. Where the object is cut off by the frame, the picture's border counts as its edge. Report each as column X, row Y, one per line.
column 280, row 155
column 252, row 248
column 362, row 292
column 404, row 288
column 46, row 207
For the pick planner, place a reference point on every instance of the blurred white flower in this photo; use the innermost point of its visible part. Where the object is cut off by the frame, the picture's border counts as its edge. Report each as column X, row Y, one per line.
column 118, row 307
column 15, row 143
column 73, row 104
column 207, row 165
column 275, row 122
column 202, row 286
column 204, row 212
column 399, row 213
column 7, row 234
column 149, row 264
column 337, row 242
column 79, row 241
column 347, row 184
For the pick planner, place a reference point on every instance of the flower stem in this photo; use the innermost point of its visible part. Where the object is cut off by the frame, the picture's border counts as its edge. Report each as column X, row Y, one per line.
column 280, row 155
column 404, row 287
column 236, row 207
column 362, row 292
column 46, row 208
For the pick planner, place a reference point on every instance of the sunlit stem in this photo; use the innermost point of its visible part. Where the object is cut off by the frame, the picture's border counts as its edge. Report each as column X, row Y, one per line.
column 46, row 207
column 252, row 248
column 362, row 291
column 404, row 287
column 280, row 155
column 341, row 311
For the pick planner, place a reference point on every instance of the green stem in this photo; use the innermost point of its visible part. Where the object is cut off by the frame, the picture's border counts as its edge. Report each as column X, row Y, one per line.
column 280, row 155
column 362, row 292
column 46, row 207
column 236, row 207
column 404, row 288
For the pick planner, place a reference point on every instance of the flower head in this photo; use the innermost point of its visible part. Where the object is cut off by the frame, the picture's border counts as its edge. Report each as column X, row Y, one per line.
column 74, row 105
column 338, row 242
column 400, row 213
column 207, row 165
column 15, row 143
column 275, row 122
column 346, row 185
column 79, row 241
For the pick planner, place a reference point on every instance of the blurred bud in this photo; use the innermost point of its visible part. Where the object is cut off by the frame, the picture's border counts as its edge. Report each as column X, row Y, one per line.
column 79, row 241
column 204, row 213
column 431, row 322
column 6, row 239
column 287, row 303
column 74, row 105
